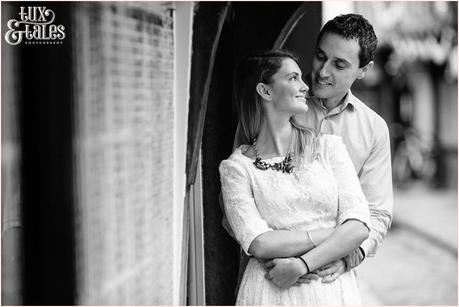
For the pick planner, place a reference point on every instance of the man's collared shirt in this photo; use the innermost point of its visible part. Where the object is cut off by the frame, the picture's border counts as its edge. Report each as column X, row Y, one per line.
column 366, row 137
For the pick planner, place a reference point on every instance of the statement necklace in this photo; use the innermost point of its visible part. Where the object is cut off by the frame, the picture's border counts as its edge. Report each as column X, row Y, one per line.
column 285, row 165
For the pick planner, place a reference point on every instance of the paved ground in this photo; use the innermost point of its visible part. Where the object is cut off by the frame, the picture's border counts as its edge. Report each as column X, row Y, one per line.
column 417, row 264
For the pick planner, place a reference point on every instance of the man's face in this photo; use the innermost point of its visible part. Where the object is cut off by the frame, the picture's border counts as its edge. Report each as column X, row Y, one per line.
column 335, row 67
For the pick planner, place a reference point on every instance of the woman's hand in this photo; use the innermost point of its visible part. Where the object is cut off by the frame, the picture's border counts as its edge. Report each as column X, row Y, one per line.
column 284, row 272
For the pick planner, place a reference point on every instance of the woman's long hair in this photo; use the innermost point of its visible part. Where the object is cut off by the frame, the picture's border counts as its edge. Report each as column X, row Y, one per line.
column 253, row 69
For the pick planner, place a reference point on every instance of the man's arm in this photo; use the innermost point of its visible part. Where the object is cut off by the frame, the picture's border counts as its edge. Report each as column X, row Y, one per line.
column 352, row 205
column 284, row 272
column 376, row 181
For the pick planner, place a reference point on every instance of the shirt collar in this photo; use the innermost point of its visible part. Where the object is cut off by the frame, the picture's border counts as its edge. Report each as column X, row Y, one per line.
column 349, row 99
column 348, row 102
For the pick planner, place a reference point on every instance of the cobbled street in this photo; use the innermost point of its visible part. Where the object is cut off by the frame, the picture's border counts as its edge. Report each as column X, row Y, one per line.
column 417, row 264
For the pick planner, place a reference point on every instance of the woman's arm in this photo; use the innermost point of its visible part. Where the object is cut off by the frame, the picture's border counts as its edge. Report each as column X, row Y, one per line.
column 346, row 238
column 250, row 229
column 353, row 212
column 284, row 272
column 353, row 216
column 287, row 243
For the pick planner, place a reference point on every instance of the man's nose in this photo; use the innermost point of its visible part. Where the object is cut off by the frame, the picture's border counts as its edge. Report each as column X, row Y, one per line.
column 324, row 70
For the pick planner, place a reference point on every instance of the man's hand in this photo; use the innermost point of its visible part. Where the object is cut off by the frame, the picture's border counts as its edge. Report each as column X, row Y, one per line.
column 307, row 278
column 284, row 272
column 329, row 273
column 354, row 259
column 332, row 271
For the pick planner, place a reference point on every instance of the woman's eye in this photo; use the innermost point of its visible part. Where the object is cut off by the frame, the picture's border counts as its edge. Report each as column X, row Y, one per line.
column 294, row 78
column 339, row 66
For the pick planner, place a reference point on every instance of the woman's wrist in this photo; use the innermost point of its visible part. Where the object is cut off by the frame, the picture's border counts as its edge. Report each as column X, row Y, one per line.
column 305, row 264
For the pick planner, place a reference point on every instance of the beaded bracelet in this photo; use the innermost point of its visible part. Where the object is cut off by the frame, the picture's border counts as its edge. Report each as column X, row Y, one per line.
column 305, row 263
column 310, row 239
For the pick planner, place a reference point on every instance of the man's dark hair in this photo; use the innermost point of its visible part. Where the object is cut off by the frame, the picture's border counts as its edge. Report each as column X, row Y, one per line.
column 354, row 26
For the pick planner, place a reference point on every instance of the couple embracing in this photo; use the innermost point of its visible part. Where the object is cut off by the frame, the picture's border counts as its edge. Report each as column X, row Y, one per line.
column 308, row 191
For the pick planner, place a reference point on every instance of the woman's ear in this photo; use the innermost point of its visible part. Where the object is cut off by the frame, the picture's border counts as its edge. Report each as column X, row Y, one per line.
column 264, row 91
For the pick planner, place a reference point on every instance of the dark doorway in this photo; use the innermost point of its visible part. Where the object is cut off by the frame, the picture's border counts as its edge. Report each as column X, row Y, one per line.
column 249, row 26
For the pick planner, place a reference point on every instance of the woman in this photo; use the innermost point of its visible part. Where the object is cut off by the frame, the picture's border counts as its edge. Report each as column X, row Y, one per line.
column 290, row 194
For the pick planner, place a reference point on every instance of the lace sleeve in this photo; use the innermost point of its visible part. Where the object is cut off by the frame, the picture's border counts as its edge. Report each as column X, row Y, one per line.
column 241, row 210
column 351, row 200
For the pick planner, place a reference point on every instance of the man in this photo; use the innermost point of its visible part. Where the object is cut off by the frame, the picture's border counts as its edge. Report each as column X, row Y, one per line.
column 344, row 53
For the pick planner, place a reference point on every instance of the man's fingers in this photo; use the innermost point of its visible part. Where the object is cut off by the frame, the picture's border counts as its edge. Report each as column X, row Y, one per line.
column 330, row 278
column 311, row 276
column 298, row 283
column 268, row 264
column 267, row 276
column 337, row 267
column 306, row 279
column 303, row 280
column 326, row 272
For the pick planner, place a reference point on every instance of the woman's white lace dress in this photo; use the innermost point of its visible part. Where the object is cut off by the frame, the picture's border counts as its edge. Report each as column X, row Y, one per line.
column 319, row 194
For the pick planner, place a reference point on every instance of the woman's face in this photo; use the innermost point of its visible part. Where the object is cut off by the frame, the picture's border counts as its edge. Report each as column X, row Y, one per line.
column 288, row 89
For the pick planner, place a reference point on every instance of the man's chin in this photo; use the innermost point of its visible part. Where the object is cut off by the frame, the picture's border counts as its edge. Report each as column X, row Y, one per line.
column 321, row 93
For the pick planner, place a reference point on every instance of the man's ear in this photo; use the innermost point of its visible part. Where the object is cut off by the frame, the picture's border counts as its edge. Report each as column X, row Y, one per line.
column 365, row 69
column 264, row 91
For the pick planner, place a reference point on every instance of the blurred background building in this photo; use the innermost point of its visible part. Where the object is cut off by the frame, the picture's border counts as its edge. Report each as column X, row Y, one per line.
column 111, row 142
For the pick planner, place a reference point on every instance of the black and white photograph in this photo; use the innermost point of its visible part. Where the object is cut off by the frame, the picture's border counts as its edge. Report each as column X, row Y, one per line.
column 247, row 153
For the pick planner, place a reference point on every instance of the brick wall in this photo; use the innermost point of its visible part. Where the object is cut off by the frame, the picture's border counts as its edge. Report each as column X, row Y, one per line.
column 11, row 160
column 124, row 153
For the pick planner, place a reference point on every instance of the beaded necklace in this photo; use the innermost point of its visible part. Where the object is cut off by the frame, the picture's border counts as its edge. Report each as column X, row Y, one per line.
column 285, row 165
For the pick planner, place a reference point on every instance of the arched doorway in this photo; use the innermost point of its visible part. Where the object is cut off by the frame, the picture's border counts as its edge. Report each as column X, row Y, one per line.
column 248, row 26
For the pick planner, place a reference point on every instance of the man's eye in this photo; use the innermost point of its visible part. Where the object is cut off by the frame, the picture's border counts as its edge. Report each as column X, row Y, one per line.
column 320, row 57
column 293, row 78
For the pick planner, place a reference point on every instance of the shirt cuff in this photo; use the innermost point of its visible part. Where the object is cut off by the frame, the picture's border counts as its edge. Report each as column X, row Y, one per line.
column 366, row 247
column 359, row 216
column 363, row 253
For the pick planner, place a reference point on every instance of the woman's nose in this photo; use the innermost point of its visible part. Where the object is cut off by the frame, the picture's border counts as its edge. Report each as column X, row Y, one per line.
column 304, row 87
